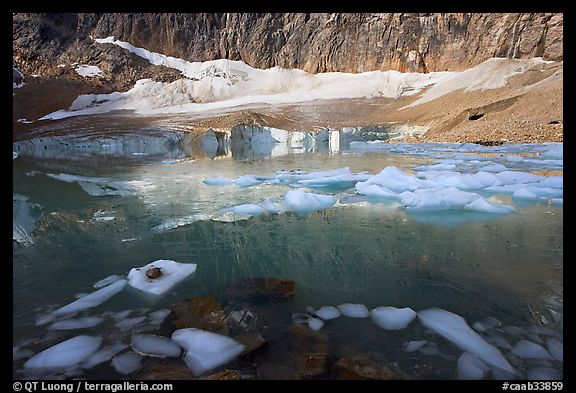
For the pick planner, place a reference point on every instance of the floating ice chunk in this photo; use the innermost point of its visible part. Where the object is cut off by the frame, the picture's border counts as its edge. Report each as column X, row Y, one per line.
column 494, row 168
column 206, row 350
column 130, row 239
column 304, row 202
column 92, row 300
column 272, row 205
column 107, row 281
column 157, row 317
column 556, row 348
column 517, row 177
column 392, row 318
column 127, row 363
column 315, row 324
column 455, row 329
column 300, row 317
column 552, row 182
column 249, row 209
column 376, row 191
column 353, row 310
column 65, row 354
column 514, row 159
column 392, row 179
column 172, row 273
column 541, row 330
column 14, row 155
column 556, row 151
column 486, row 324
column 103, row 355
column 218, row 181
column 413, row 346
column 327, row 312
column 247, row 181
column 178, row 222
column 543, row 374
column 513, row 330
column 470, row 367
column 151, row 345
column 528, row 349
column 524, row 193
column 499, row 341
column 120, row 315
column 78, row 323
column 129, row 323
column 436, row 167
column 342, row 181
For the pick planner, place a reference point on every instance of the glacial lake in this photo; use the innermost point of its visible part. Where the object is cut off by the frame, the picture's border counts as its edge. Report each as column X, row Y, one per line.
column 88, row 208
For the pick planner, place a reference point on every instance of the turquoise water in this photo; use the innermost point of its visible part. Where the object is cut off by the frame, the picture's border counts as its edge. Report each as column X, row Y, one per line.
column 370, row 252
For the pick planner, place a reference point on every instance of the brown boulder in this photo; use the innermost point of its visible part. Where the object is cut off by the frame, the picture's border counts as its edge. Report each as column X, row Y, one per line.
column 201, row 312
column 361, row 367
column 154, row 272
column 224, row 375
column 264, row 287
column 162, row 372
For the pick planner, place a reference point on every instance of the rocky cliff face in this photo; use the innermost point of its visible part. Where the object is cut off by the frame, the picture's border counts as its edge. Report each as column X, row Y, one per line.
column 313, row 42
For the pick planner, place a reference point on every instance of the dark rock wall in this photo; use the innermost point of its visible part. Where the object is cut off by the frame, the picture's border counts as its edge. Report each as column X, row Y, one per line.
column 347, row 42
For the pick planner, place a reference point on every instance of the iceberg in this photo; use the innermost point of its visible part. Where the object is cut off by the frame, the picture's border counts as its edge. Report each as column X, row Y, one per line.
column 92, row 300
column 172, row 273
column 67, row 353
column 392, row 318
column 151, row 345
column 206, row 350
column 306, row 202
column 354, row 310
column 455, row 329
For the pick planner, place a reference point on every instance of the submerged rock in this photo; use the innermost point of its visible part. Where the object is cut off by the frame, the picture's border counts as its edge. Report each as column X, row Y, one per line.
column 362, row 367
column 202, row 312
column 225, row 375
column 162, row 372
column 264, row 287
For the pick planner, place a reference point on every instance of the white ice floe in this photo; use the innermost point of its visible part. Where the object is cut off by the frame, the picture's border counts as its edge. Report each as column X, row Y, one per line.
column 218, row 181
column 172, row 273
column 354, row 310
column 449, row 198
column 14, row 155
column 206, row 350
column 543, row 374
column 413, row 346
column 127, row 363
column 107, row 281
column 327, row 313
column 469, row 367
column 88, row 70
column 174, row 223
column 306, row 202
column 392, row 318
column 96, row 186
column 247, row 181
column 455, row 329
column 92, row 300
column 556, row 348
column 556, row 151
column 129, row 323
column 120, row 315
column 499, row 340
column 103, row 355
column 486, row 324
column 152, row 345
column 248, row 209
column 157, row 317
column 78, row 323
column 67, row 353
column 528, row 349
column 315, row 324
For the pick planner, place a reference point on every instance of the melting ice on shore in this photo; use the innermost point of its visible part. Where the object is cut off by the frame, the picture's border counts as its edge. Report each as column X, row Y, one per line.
column 172, row 273
column 455, row 329
column 392, row 318
column 206, row 350
column 92, row 300
column 65, row 354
